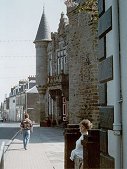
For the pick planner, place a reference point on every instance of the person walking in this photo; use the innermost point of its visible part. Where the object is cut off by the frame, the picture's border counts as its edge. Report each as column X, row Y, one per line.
column 26, row 128
column 77, row 153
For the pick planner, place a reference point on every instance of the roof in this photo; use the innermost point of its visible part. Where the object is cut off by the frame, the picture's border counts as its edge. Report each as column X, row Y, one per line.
column 32, row 81
column 32, row 90
column 43, row 33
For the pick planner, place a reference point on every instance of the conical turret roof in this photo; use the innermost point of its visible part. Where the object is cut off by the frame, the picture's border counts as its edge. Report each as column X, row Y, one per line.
column 43, row 32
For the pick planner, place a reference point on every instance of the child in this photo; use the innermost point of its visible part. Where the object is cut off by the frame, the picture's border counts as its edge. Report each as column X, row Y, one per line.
column 77, row 153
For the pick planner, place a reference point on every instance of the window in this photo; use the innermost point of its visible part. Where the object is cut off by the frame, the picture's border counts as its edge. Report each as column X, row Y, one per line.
column 64, row 52
column 64, row 106
column 58, row 65
column 50, row 64
column 64, row 109
column 61, row 61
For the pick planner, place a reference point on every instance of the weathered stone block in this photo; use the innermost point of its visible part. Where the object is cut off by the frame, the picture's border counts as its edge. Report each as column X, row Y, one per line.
column 101, row 7
column 106, row 70
column 102, row 93
column 71, row 135
column 106, row 117
column 91, row 159
column 102, row 48
column 107, row 162
column 105, row 23
column 104, row 141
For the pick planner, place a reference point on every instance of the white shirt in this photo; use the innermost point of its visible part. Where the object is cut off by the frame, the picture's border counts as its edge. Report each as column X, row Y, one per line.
column 78, row 151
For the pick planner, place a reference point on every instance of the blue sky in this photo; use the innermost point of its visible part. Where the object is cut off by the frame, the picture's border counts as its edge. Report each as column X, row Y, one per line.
column 19, row 21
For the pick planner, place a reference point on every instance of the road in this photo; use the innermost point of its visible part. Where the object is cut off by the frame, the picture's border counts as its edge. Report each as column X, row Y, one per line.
column 7, row 131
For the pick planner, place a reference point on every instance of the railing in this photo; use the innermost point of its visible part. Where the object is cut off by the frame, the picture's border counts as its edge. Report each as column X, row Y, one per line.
column 2, row 156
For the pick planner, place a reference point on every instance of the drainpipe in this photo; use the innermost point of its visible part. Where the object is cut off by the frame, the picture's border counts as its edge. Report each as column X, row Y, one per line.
column 117, row 83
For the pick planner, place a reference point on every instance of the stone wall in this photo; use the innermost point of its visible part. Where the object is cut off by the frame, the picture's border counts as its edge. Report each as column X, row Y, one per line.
column 32, row 106
column 83, row 63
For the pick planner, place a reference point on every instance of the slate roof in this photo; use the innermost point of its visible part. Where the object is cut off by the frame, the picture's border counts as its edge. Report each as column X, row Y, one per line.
column 32, row 90
column 43, row 33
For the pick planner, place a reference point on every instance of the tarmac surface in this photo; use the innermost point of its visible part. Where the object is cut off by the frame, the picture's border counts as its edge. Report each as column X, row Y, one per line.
column 45, row 150
column 7, row 131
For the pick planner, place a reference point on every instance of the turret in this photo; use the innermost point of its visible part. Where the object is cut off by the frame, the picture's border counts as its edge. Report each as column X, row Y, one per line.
column 41, row 41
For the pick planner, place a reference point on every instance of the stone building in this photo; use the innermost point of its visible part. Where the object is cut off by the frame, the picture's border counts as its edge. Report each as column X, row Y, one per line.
column 52, row 71
column 32, row 102
column 58, row 73
column 67, row 67
column 24, row 97
column 82, row 51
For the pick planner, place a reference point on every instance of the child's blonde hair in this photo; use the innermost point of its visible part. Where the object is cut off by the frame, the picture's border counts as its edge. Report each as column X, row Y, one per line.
column 86, row 123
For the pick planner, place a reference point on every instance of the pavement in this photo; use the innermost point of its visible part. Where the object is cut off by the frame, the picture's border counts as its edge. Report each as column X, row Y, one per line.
column 45, row 150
